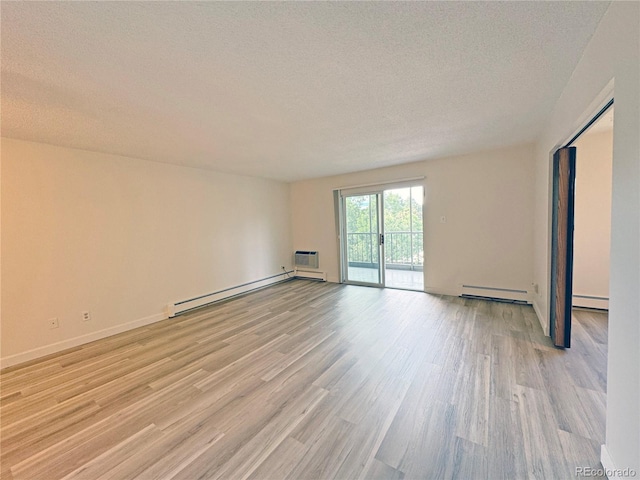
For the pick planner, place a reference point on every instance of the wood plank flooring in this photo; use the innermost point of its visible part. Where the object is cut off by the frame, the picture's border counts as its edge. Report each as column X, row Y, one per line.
column 308, row 380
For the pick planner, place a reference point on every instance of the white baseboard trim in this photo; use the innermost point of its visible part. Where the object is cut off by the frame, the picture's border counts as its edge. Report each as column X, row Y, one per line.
column 39, row 352
column 176, row 308
column 587, row 301
column 607, row 462
column 440, row 291
column 541, row 317
column 611, row 470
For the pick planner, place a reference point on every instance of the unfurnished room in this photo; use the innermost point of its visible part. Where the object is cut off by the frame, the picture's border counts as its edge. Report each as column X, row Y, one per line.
column 319, row 240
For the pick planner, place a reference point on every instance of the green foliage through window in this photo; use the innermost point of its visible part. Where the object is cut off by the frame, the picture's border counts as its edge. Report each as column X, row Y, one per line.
column 402, row 226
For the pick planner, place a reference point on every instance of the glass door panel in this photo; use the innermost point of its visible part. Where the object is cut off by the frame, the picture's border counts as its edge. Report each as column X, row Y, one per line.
column 362, row 240
column 403, row 234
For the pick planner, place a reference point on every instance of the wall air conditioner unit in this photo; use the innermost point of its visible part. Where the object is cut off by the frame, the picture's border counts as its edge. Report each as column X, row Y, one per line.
column 306, row 259
column 305, row 262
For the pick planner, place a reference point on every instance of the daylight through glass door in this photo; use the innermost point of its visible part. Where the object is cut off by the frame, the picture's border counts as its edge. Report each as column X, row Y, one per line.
column 403, row 238
column 362, row 239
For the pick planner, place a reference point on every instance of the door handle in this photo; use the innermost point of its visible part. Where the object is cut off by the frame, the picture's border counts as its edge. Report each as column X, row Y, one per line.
column 381, row 239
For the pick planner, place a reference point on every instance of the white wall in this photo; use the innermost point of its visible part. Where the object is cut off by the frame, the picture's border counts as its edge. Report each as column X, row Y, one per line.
column 122, row 237
column 486, row 197
column 612, row 54
column 592, row 231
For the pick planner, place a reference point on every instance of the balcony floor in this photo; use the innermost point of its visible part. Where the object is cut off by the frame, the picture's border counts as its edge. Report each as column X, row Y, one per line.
column 405, row 279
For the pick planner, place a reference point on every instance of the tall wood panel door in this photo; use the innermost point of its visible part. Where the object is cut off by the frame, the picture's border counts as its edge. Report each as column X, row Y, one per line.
column 564, row 177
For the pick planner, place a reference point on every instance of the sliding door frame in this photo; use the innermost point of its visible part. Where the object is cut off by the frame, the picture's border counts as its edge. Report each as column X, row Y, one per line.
column 369, row 189
column 344, row 260
column 560, row 253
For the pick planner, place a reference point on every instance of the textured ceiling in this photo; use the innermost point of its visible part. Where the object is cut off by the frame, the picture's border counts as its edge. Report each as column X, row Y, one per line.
column 287, row 90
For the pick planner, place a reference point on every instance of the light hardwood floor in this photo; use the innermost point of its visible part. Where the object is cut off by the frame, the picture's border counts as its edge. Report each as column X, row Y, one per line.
column 310, row 380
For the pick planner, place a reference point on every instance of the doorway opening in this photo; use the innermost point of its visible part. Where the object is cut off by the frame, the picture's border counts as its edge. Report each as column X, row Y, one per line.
column 581, row 226
column 592, row 218
column 383, row 237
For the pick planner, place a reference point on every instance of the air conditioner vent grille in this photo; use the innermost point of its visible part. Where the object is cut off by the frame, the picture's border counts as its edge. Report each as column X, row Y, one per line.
column 304, row 258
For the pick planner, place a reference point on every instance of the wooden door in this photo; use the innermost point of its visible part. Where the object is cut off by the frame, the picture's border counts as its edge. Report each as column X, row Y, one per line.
column 564, row 176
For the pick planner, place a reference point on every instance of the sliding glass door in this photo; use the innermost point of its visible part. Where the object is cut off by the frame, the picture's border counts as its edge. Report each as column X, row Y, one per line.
column 403, row 235
column 362, row 239
column 382, row 237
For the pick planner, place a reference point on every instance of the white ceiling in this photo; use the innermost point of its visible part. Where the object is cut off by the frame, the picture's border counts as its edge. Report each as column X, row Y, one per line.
column 287, row 90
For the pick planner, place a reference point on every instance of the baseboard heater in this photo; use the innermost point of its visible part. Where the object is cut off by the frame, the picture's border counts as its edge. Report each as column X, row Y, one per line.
column 176, row 308
column 590, row 301
column 306, row 265
column 310, row 274
column 495, row 294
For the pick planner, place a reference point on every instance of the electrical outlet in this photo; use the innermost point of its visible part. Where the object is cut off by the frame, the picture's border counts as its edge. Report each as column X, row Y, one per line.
column 86, row 316
column 53, row 323
column 443, row 219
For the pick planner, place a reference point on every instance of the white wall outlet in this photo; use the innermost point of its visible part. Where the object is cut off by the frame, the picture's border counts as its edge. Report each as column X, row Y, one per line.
column 443, row 219
column 86, row 316
column 53, row 323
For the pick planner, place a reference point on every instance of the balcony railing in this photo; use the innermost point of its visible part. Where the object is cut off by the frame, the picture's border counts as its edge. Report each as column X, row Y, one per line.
column 402, row 250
